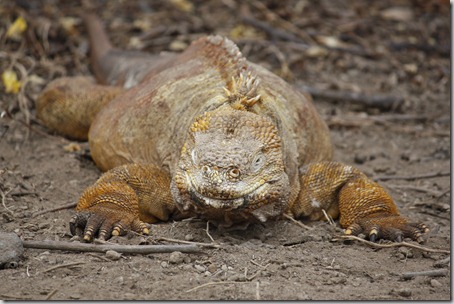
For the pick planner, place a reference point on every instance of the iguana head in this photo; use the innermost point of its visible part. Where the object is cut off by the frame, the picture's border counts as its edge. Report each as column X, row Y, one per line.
column 231, row 167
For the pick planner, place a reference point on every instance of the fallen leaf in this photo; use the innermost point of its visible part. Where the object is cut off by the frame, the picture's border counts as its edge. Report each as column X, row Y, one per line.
column 69, row 25
column 9, row 78
column 397, row 14
column 316, row 51
column 183, row 5
column 17, row 28
column 72, row 147
column 330, row 41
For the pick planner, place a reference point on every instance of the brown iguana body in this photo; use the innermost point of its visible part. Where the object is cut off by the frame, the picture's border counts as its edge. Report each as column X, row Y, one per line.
column 206, row 133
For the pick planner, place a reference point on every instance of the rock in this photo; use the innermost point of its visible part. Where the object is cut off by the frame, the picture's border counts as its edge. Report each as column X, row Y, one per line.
column 176, row 257
column 212, row 268
column 404, row 292
column 113, row 255
column 435, row 283
column 164, row 264
column 11, row 250
column 200, row 268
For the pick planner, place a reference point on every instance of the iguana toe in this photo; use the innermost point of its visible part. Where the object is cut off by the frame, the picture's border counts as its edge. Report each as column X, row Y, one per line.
column 390, row 227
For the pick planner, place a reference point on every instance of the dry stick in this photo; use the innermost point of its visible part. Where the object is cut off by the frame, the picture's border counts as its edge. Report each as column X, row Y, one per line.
column 208, row 232
column 50, row 295
column 328, row 218
column 214, row 283
column 139, row 249
column 4, row 295
column 188, row 242
column 297, row 222
column 384, row 102
column 99, row 257
column 429, row 273
column 412, row 177
column 419, row 189
column 4, row 194
column 405, row 244
column 272, row 31
column 67, row 206
column 63, row 265
column 443, row 262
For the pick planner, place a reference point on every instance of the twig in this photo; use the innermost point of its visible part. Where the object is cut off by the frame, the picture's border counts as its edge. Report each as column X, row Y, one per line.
column 214, row 283
column 270, row 15
column 258, row 271
column 328, row 218
column 138, row 249
column 297, row 222
column 67, row 206
column 63, row 265
column 405, row 244
column 274, row 32
column 442, row 263
column 412, row 177
column 428, row 273
column 51, row 294
column 420, row 189
column 208, row 232
column 4, row 194
column 4, row 295
column 99, row 257
column 383, row 102
column 210, row 245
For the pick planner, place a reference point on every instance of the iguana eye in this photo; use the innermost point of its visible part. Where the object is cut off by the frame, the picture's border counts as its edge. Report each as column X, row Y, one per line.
column 194, row 156
column 258, row 162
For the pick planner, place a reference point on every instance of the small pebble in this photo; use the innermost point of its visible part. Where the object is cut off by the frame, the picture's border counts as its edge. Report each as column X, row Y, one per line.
column 43, row 225
column 404, row 292
column 188, row 237
column 113, row 255
column 435, row 283
column 176, row 257
column 187, row 259
column 164, row 264
column 199, row 268
column 212, row 268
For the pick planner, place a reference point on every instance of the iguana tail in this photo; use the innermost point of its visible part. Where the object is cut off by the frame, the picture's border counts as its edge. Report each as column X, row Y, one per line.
column 113, row 66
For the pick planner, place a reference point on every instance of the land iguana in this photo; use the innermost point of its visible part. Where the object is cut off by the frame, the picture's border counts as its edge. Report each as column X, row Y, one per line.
column 206, row 133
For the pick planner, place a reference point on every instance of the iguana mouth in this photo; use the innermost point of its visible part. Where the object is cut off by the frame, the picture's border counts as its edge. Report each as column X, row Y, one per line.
column 236, row 201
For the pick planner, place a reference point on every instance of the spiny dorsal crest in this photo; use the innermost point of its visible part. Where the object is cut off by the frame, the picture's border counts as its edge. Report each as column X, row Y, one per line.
column 241, row 92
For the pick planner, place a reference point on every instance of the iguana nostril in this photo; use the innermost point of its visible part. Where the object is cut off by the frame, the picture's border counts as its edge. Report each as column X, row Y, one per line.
column 234, row 172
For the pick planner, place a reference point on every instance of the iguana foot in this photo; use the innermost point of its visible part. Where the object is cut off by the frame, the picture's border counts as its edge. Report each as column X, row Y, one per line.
column 388, row 226
column 104, row 222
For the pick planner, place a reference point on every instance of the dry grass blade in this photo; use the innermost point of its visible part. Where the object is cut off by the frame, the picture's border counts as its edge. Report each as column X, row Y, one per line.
column 214, row 283
column 297, row 222
column 401, row 244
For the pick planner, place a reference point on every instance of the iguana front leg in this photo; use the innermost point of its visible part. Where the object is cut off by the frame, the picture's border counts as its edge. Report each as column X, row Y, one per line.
column 123, row 198
column 363, row 206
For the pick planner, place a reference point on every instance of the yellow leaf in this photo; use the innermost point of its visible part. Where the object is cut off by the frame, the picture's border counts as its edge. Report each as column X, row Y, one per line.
column 183, row 5
column 12, row 85
column 17, row 28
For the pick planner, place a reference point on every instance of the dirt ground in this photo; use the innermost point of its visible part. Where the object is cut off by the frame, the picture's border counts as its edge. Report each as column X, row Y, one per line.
column 395, row 48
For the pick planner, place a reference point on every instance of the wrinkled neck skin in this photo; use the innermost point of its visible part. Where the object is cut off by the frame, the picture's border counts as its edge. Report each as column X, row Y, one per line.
column 231, row 169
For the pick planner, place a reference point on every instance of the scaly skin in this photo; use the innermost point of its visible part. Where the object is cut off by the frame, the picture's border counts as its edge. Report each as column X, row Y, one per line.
column 206, row 133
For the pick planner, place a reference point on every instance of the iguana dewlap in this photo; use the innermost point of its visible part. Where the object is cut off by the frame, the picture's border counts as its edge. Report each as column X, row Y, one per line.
column 206, row 133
